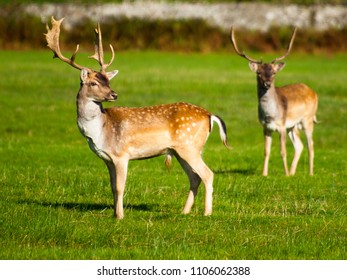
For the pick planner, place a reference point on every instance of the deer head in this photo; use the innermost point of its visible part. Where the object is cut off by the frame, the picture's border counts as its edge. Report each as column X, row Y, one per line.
column 265, row 71
column 95, row 84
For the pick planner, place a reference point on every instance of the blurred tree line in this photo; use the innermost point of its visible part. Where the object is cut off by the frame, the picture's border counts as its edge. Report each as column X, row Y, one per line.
column 22, row 31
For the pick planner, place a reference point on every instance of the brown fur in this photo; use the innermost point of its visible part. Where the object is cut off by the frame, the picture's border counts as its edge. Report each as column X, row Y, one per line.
column 288, row 108
column 118, row 135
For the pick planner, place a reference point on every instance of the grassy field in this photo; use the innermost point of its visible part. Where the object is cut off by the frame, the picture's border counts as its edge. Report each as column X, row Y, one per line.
column 55, row 197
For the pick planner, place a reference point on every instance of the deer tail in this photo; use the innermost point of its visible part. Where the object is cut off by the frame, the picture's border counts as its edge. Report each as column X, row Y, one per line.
column 222, row 130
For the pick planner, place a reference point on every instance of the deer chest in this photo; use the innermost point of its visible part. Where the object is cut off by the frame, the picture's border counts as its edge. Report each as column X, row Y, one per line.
column 269, row 114
column 92, row 131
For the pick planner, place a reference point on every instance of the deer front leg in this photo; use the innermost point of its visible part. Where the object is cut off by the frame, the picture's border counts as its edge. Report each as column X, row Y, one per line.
column 283, row 138
column 267, row 150
column 118, row 174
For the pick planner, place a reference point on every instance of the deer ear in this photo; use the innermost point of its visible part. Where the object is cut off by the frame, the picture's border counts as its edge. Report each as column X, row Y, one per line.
column 253, row 66
column 84, row 75
column 111, row 75
column 279, row 66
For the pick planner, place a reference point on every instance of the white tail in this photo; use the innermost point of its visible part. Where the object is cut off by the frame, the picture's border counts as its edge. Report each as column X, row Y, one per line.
column 283, row 109
column 222, row 129
column 120, row 134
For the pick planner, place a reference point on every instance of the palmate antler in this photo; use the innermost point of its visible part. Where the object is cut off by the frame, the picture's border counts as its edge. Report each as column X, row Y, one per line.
column 52, row 38
column 99, row 51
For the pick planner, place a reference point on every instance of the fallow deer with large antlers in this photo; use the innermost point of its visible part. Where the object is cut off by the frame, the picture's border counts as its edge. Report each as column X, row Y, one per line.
column 120, row 134
column 283, row 109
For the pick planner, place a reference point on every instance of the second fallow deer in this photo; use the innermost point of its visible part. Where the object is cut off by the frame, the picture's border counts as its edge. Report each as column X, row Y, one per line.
column 120, row 134
column 283, row 109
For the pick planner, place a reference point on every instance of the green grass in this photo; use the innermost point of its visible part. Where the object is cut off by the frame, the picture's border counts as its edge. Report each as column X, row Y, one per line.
column 55, row 197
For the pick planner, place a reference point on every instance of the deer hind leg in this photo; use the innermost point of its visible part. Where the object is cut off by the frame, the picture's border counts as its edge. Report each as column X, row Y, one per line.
column 298, row 147
column 196, row 170
column 194, row 181
column 118, row 174
column 308, row 128
column 267, row 150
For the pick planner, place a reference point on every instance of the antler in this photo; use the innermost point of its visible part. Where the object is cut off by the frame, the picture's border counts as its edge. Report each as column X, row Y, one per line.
column 233, row 41
column 288, row 49
column 52, row 37
column 99, row 51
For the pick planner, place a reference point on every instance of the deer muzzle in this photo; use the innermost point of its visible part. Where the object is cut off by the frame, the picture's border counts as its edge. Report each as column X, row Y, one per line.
column 112, row 96
column 267, row 84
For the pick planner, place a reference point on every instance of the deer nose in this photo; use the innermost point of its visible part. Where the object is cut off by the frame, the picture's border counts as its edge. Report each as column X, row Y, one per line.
column 267, row 84
column 112, row 96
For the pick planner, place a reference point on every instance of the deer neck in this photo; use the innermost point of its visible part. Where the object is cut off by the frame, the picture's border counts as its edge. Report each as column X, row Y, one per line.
column 267, row 94
column 90, row 121
column 88, row 110
column 269, row 109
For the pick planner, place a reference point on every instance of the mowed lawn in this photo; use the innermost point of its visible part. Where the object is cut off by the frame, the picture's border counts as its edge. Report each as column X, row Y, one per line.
column 55, row 198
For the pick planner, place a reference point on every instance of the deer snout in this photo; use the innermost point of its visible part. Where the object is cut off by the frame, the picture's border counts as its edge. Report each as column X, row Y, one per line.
column 267, row 84
column 112, row 96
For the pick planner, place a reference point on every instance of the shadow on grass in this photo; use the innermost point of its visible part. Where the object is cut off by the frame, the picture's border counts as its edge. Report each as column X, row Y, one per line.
column 87, row 206
column 249, row 171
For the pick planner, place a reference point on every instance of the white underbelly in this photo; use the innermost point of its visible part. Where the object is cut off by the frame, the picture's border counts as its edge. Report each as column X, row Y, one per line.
column 292, row 123
column 274, row 126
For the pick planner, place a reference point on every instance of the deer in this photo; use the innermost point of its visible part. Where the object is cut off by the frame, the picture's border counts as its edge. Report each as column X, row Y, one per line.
column 120, row 134
column 289, row 108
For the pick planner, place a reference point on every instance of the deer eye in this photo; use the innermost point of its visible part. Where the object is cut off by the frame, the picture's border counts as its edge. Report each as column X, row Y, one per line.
column 93, row 84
